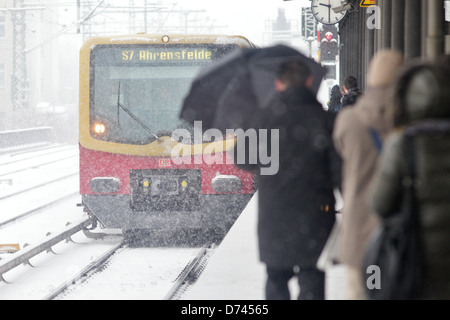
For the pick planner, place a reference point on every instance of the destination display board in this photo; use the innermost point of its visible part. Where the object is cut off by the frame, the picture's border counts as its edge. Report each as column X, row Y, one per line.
column 157, row 54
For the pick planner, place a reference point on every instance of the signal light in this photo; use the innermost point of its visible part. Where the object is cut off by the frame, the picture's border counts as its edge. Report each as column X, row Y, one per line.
column 99, row 128
column 165, row 39
column 329, row 47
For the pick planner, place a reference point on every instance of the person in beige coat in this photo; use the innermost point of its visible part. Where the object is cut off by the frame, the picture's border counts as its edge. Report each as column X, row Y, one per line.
column 358, row 135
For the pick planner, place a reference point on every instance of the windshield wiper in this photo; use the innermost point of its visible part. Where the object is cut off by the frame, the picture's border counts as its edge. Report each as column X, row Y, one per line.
column 131, row 114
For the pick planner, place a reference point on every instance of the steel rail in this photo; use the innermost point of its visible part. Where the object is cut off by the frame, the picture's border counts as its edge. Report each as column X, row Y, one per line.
column 36, row 210
column 84, row 272
column 38, row 185
column 189, row 274
column 24, row 255
column 36, row 166
column 50, row 149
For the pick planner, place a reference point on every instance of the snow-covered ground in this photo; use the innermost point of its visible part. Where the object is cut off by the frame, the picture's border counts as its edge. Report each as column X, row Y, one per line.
column 134, row 274
column 24, row 172
column 137, row 273
column 234, row 272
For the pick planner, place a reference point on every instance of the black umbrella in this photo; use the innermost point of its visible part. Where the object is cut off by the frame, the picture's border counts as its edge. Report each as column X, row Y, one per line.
column 227, row 93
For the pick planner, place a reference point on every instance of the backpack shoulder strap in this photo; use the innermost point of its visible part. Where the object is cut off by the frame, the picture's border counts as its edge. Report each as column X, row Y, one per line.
column 376, row 139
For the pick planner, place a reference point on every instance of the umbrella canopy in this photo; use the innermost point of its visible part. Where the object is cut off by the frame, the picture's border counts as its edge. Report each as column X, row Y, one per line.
column 227, row 93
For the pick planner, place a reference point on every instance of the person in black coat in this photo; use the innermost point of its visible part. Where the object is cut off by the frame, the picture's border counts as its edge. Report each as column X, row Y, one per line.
column 334, row 105
column 352, row 92
column 297, row 204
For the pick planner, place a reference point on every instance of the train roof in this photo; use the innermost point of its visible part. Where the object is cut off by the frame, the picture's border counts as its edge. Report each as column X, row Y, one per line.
column 172, row 39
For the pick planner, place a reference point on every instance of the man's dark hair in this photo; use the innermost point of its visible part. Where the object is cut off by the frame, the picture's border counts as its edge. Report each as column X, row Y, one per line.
column 350, row 82
column 294, row 73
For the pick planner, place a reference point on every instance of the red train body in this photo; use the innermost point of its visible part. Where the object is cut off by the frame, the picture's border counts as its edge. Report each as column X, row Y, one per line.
column 128, row 176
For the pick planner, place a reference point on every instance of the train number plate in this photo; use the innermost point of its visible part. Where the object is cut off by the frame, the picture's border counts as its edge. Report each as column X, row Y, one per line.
column 162, row 185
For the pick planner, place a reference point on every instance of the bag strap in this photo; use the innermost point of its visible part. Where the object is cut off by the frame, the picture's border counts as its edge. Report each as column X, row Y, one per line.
column 411, row 158
column 414, row 219
column 411, row 166
column 376, row 139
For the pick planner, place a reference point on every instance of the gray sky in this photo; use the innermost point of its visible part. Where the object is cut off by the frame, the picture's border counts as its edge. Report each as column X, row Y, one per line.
column 247, row 17
column 240, row 17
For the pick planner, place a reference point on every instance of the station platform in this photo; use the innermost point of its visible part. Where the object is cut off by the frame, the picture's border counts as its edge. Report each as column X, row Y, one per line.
column 234, row 271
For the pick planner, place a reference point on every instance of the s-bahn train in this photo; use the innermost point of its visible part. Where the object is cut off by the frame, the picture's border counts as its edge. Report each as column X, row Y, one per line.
column 131, row 93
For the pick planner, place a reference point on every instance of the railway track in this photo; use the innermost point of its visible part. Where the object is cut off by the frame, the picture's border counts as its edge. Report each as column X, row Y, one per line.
column 31, row 181
column 137, row 273
column 164, row 273
column 45, row 268
column 33, row 201
column 190, row 273
column 141, row 273
column 24, row 255
column 19, row 161
column 72, row 262
column 84, row 273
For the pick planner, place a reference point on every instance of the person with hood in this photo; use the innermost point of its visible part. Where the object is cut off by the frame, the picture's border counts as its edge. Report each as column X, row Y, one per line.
column 334, row 105
column 358, row 135
column 296, row 205
column 422, row 105
column 351, row 91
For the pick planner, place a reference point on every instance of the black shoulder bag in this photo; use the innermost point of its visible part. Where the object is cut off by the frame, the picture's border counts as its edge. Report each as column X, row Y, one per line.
column 393, row 262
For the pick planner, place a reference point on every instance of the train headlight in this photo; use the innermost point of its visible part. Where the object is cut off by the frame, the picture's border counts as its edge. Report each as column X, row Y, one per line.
column 99, row 128
column 165, row 39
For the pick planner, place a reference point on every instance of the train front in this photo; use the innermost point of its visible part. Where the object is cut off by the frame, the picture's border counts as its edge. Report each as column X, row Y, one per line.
column 131, row 93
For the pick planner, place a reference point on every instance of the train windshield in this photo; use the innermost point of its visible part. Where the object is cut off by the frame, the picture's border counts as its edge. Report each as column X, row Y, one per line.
column 137, row 91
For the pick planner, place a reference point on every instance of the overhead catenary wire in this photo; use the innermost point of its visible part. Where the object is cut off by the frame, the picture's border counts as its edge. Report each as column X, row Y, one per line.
column 64, row 30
